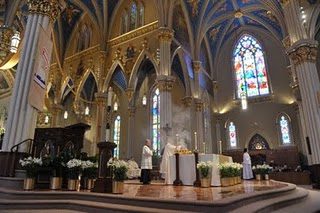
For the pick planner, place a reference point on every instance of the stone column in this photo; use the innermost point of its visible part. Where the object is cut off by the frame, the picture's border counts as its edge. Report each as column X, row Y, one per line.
column 165, row 39
column 131, row 131
column 187, row 102
column 196, row 65
column 302, row 52
column 22, row 116
column 218, row 136
column 101, row 120
column 303, row 55
column 165, row 84
column 199, row 121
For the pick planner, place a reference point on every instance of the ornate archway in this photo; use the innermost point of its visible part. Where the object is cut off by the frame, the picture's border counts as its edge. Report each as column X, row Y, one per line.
column 257, row 142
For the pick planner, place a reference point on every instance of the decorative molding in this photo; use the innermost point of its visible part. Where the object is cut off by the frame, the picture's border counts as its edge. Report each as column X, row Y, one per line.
column 142, row 31
column 286, row 42
column 304, row 51
column 195, row 7
column 165, row 83
column 199, row 104
column 187, row 101
column 129, row 93
column 165, row 34
column 6, row 34
column 196, row 65
column 131, row 111
column 49, row 8
column 238, row 14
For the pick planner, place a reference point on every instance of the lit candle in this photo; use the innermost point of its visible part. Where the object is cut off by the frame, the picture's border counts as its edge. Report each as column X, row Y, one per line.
column 220, row 147
column 195, row 141
column 204, row 147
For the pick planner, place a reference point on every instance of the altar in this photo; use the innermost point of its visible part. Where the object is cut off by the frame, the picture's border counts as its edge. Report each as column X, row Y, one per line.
column 187, row 167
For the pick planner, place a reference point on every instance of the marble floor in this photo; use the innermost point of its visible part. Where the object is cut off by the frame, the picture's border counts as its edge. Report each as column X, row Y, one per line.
column 188, row 193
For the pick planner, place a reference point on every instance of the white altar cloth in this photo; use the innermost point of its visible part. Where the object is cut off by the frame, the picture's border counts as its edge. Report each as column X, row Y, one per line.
column 187, row 168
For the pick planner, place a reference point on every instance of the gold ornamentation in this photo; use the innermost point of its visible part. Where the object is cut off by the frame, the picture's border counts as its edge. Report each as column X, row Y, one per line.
column 165, row 83
column 49, row 8
column 199, row 105
column 6, row 34
column 187, row 101
column 238, row 14
column 132, row 111
column 196, row 65
column 165, row 34
column 129, row 93
column 303, row 53
column 195, row 7
column 141, row 31
column 286, row 42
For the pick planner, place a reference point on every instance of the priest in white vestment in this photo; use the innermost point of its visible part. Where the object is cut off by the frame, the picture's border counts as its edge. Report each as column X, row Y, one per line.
column 168, row 151
column 247, row 170
column 146, row 163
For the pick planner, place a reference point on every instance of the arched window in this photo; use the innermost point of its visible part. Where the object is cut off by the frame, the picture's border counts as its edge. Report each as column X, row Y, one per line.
column 284, row 129
column 141, row 15
column 116, row 135
column 133, row 16
column 250, row 68
column 156, row 121
column 232, row 135
column 124, row 22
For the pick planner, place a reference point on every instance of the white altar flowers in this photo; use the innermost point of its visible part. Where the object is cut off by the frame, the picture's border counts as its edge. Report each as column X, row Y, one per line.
column 31, row 165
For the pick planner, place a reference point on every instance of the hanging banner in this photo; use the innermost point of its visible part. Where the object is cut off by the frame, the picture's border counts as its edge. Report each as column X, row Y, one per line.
column 41, row 68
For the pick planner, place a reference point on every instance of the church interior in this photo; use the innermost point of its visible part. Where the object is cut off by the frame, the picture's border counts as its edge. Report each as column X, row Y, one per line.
column 92, row 80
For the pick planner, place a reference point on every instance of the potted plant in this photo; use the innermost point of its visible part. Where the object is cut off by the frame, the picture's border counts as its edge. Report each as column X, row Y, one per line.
column 89, row 173
column 205, row 173
column 258, row 171
column 119, row 173
column 236, row 172
column 74, row 167
column 31, row 165
column 56, row 164
column 230, row 173
column 266, row 170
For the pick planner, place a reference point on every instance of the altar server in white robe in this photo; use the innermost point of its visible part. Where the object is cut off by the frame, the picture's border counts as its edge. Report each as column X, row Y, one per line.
column 168, row 151
column 247, row 170
column 146, row 162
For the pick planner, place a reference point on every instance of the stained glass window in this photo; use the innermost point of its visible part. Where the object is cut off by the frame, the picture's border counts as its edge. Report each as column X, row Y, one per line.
column 133, row 16
column 124, row 24
column 141, row 15
column 250, row 69
column 156, row 121
column 232, row 135
column 116, row 136
column 285, row 131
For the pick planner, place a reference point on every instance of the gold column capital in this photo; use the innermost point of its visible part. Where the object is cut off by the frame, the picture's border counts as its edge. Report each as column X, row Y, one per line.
column 199, row 104
column 50, row 8
column 196, row 65
column 165, row 34
column 303, row 51
column 165, row 83
column 129, row 93
column 187, row 101
column 132, row 111
column 6, row 34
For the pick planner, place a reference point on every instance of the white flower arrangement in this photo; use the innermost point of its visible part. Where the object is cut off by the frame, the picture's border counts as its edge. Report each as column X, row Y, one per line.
column 204, row 168
column 88, row 164
column 229, row 169
column 262, row 169
column 31, row 165
column 119, row 168
column 73, row 163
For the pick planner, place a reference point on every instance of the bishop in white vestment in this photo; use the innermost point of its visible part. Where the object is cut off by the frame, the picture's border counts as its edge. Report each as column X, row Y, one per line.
column 169, row 150
column 247, row 170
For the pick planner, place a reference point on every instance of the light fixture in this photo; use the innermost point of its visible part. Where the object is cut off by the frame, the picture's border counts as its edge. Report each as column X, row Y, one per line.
column 65, row 115
column 115, row 106
column 244, row 101
column 144, row 100
column 15, row 40
column 46, row 119
column 87, row 111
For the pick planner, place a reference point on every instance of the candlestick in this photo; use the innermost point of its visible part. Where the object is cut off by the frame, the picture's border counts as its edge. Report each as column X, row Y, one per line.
column 204, row 147
column 195, row 141
column 177, row 139
column 220, row 147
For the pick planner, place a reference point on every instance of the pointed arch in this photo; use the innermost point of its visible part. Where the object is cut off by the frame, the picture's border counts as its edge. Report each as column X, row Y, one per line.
column 112, row 69
column 83, row 81
column 258, row 142
column 67, row 86
column 143, row 55
column 313, row 28
column 250, row 68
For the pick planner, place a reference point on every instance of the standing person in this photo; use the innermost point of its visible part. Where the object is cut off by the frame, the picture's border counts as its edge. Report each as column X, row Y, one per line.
column 146, row 162
column 247, row 170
